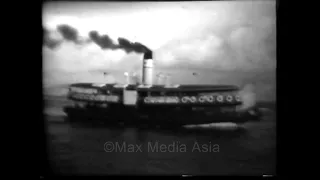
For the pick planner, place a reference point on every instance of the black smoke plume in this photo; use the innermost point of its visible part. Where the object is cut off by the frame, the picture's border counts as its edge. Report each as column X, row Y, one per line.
column 129, row 46
column 103, row 41
column 49, row 42
column 68, row 33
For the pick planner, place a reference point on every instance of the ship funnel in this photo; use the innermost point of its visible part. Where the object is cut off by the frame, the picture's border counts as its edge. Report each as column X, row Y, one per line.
column 147, row 69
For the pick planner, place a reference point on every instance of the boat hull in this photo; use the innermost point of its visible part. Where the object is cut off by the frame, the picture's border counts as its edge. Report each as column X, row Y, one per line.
column 158, row 116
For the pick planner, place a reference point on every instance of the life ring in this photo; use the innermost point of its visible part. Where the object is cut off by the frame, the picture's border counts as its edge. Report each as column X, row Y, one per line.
column 210, row 99
column 193, row 99
column 220, row 98
column 229, row 98
column 201, row 99
column 238, row 98
column 185, row 99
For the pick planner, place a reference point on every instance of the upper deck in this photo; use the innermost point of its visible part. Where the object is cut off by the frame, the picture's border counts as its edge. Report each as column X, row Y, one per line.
column 158, row 88
column 156, row 94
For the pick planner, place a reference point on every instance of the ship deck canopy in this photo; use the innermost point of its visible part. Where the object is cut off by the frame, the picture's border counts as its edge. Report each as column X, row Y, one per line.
column 161, row 88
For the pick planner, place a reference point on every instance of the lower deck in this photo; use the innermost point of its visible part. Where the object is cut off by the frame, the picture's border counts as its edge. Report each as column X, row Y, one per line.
column 160, row 115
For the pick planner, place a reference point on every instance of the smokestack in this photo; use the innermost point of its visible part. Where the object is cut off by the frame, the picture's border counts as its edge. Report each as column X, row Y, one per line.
column 147, row 69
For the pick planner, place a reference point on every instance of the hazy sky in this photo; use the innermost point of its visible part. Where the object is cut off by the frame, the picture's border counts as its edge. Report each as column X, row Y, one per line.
column 221, row 35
